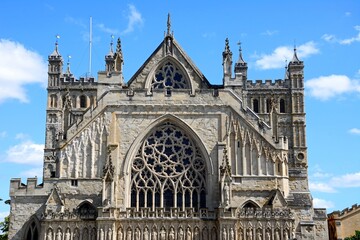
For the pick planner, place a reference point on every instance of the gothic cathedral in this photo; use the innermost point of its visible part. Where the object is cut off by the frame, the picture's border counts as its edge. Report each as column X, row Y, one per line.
column 166, row 155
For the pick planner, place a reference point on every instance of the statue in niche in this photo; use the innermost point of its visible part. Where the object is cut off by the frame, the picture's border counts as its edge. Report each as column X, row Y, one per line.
column 277, row 234
column 258, row 235
column 172, row 234
column 154, row 234
column 181, row 234
column 120, row 234
column 286, row 235
column 101, row 237
column 188, row 234
column 137, row 234
column 224, row 234
column 196, row 234
column 267, row 235
column 93, row 234
column 129, row 234
column 67, row 234
column 49, row 235
column 213, row 234
column 240, row 234
column 205, row 233
column 232, row 234
column 226, row 192
column 109, row 234
column 76, row 234
column 146, row 234
column 249, row 234
column 59, row 234
column 162, row 234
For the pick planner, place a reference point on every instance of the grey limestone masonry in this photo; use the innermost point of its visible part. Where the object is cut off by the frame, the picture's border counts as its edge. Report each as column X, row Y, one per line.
column 168, row 155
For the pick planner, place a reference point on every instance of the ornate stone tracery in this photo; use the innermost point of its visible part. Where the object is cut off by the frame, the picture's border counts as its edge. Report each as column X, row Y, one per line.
column 168, row 171
column 169, row 75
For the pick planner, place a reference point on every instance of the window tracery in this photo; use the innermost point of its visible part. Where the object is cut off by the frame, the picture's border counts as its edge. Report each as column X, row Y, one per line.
column 169, row 76
column 168, row 171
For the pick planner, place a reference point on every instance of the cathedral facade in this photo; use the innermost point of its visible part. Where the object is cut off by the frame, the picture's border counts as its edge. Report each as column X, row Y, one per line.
column 168, row 155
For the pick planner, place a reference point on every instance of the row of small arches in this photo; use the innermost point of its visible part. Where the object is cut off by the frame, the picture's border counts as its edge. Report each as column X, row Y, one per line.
column 82, row 101
column 257, row 107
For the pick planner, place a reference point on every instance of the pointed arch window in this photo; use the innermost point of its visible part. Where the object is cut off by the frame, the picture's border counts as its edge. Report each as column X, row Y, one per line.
column 256, row 105
column 168, row 171
column 282, row 106
column 169, row 75
column 32, row 232
column 83, row 101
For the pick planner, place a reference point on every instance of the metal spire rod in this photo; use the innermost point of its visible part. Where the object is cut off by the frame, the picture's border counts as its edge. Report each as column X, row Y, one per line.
column 90, row 46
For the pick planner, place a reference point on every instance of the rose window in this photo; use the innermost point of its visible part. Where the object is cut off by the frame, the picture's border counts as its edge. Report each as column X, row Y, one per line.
column 168, row 171
column 169, row 76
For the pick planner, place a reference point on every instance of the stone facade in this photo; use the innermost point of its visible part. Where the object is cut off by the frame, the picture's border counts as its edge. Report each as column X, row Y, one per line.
column 344, row 223
column 168, row 155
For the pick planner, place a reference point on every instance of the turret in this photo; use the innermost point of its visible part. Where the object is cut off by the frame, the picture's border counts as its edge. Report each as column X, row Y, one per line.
column 54, row 67
column 110, row 59
column 241, row 66
column 296, row 71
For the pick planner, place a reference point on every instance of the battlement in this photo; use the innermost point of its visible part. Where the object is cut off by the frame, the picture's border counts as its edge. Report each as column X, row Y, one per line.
column 30, row 188
column 278, row 83
column 344, row 212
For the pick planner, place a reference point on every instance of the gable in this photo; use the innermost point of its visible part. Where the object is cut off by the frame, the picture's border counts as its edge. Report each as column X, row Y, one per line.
column 169, row 67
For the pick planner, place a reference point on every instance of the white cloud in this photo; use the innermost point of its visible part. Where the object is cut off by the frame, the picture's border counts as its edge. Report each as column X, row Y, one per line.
column 346, row 181
column 326, row 87
column 277, row 58
column 355, row 131
column 38, row 172
column 105, row 29
column 134, row 19
column 269, row 32
column 321, row 187
column 26, row 152
column 29, row 68
column 321, row 203
column 347, row 41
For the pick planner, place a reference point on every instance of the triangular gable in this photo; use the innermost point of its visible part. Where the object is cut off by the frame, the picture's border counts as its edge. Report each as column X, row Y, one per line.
column 54, row 202
column 276, row 199
column 143, row 77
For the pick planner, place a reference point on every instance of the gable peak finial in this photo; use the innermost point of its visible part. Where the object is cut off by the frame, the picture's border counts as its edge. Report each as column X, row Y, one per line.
column 168, row 25
column 241, row 60
column 111, row 45
column 68, row 72
column 56, row 53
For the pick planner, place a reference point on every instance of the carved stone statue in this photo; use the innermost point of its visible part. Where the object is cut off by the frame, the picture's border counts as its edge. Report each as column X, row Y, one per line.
column 240, row 234
column 226, row 192
column 181, row 234
column 267, row 235
column 249, row 234
column 101, row 237
column 172, row 234
column 137, row 234
column 286, row 235
column 49, row 235
column 188, row 234
column 120, row 234
column 277, row 234
column 146, row 234
column 224, row 234
column 109, row 234
column 196, row 234
column 258, row 235
column 67, row 234
column 129, row 234
column 59, row 234
column 154, row 234
column 162, row 234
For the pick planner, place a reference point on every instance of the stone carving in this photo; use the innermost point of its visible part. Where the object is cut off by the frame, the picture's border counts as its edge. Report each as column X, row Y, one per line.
column 286, row 234
column 196, row 234
column 162, row 234
column 249, row 234
column 120, row 234
column 101, row 234
column 137, row 234
column 172, row 234
column 231, row 234
column 129, row 234
column 59, row 234
column 224, row 234
column 205, row 233
column 76, row 234
column 109, row 234
column 146, row 234
column 49, row 235
column 277, row 234
column 85, row 234
column 67, row 234
column 258, row 234
column 267, row 234
column 181, row 234
column 154, row 234
column 188, row 234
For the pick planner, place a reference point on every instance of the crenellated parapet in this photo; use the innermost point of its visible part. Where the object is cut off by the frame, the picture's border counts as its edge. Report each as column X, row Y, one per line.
column 17, row 188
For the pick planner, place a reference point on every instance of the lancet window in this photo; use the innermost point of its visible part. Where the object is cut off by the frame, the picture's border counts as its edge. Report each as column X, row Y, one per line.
column 168, row 171
column 169, row 76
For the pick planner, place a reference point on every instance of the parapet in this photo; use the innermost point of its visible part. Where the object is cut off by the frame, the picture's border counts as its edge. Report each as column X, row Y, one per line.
column 30, row 188
column 344, row 212
column 278, row 83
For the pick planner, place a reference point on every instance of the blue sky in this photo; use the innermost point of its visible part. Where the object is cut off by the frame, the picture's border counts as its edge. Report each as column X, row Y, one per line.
column 326, row 34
